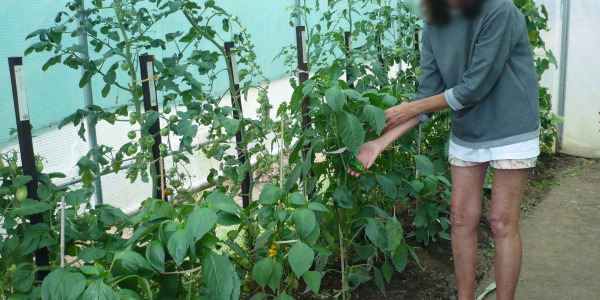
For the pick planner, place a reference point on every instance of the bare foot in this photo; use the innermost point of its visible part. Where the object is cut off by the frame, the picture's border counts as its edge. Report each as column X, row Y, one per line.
column 367, row 155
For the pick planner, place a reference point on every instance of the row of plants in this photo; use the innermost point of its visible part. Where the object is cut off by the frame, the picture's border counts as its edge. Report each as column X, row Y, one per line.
column 311, row 221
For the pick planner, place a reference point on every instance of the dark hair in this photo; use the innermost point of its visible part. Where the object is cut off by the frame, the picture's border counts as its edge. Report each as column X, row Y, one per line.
column 438, row 11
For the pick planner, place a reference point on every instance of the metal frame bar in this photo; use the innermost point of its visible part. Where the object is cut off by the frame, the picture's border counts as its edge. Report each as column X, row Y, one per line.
column 564, row 51
column 88, row 97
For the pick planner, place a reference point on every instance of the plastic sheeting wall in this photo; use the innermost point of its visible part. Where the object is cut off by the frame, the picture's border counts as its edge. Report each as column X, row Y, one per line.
column 582, row 100
column 55, row 94
column 580, row 134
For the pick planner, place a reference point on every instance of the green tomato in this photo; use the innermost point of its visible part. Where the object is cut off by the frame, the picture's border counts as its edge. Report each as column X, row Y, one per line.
column 132, row 150
column 232, row 234
column 124, row 66
column 150, row 141
column 167, row 109
column 173, row 119
column 131, row 135
column 246, row 264
column 132, row 121
column 164, row 131
column 243, row 29
column 262, row 93
column 234, row 18
column 149, row 156
column 39, row 165
column 21, row 193
column 247, row 54
column 246, row 43
column 176, row 202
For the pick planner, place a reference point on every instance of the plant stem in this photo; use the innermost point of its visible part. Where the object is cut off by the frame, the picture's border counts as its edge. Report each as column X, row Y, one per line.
column 342, row 254
column 234, row 91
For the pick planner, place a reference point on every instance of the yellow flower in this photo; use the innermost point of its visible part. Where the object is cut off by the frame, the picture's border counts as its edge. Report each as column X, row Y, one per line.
column 272, row 252
column 197, row 283
column 262, row 231
column 287, row 248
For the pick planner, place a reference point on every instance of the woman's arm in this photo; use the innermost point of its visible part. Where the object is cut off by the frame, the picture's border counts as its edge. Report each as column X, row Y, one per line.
column 409, row 110
column 370, row 150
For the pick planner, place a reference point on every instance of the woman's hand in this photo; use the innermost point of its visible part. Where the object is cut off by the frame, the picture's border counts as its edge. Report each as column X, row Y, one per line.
column 368, row 153
column 398, row 114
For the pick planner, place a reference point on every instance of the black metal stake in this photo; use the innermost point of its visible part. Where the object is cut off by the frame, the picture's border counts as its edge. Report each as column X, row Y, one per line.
column 380, row 50
column 17, row 78
column 236, row 102
column 303, row 71
column 151, row 104
column 301, row 44
column 349, row 69
column 416, row 42
column 417, row 50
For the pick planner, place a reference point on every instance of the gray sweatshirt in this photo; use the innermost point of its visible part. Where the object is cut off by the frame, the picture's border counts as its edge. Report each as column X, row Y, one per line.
column 485, row 66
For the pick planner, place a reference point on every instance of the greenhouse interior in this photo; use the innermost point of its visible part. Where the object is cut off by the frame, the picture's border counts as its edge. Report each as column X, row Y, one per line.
column 300, row 149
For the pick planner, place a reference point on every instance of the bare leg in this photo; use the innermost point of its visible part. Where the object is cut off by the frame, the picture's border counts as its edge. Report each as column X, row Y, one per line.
column 507, row 192
column 465, row 211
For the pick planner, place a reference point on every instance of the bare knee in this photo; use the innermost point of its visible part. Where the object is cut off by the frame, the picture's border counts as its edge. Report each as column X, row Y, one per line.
column 464, row 218
column 503, row 226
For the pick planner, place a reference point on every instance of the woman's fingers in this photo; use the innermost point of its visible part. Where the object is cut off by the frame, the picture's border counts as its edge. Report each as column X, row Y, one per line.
column 389, row 125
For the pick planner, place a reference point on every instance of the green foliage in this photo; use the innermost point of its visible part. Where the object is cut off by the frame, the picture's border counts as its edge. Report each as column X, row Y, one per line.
column 307, row 223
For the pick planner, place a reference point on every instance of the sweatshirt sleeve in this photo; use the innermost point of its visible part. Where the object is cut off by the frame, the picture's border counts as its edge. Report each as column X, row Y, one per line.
column 430, row 79
column 489, row 57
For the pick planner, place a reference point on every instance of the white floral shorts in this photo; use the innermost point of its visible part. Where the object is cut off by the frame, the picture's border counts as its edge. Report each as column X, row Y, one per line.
column 506, row 164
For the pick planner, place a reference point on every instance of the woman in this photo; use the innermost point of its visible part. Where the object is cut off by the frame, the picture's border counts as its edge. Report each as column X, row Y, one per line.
column 477, row 61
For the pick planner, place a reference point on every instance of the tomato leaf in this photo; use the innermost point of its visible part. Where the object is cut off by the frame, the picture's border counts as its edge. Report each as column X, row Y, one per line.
column 200, row 222
column 335, row 98
column 301, row 258
column 312, row 280
column 178, row 245
column 305, row 222
column 375, row 116
column 62, row 284
column 351, row 132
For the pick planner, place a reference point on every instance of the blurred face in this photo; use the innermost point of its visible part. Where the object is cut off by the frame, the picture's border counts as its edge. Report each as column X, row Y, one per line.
column 456, row 4
column 461, row 4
